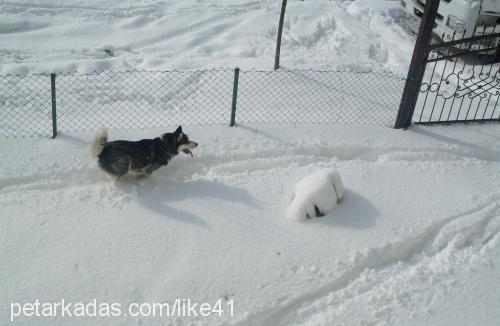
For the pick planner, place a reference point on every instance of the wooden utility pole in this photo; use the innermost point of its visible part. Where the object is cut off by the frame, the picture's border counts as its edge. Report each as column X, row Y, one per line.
column 280, row 31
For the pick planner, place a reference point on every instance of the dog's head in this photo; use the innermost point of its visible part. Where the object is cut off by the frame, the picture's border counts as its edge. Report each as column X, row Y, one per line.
column 179, row 141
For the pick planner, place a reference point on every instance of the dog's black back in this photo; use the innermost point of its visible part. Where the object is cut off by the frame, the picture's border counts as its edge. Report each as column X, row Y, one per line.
column 121, row 156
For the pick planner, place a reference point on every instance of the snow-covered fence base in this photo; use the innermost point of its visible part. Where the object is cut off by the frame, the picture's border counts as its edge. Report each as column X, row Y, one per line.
column 316, row 195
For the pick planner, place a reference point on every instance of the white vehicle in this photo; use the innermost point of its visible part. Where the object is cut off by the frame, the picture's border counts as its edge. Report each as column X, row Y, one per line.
column 460, row 16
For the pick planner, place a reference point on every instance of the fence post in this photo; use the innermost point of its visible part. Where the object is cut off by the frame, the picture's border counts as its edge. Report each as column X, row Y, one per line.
column 417, row 66
column 496, row 58
column 235, row 96
column 280, row 32
column 54, row 112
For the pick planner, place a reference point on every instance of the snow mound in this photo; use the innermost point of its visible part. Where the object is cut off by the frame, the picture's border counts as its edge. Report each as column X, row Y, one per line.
column 316, row 195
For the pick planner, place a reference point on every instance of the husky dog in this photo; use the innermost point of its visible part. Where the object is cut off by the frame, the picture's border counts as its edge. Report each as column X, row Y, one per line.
column 144, row 156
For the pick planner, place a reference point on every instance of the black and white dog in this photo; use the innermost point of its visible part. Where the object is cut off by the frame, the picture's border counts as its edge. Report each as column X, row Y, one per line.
column 144, row 156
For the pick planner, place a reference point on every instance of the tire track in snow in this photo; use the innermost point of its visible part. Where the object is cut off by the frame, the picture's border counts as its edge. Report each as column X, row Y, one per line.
column 240, row 158
column 472, row 232
column 81, row 183
column 52, row 180
column 243, row 159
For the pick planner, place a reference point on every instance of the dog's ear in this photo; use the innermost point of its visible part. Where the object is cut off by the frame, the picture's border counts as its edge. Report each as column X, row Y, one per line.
column 178, row 133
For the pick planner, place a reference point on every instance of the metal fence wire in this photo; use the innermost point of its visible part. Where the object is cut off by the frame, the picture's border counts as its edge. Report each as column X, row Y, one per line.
column 143, row 99
column 307, row 96
column 25, row 105
column 153, row 99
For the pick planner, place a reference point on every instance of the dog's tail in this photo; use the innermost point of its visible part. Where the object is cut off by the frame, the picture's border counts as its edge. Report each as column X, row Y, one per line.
column 96, row 146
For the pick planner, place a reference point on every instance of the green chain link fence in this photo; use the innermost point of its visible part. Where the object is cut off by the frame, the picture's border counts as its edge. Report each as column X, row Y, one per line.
column 42, row 105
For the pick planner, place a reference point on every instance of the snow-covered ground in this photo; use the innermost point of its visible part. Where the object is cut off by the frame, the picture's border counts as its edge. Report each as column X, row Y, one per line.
column 95, row 35
column 414, row 241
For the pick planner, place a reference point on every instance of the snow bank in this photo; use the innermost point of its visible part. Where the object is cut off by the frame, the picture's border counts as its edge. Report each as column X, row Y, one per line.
column 96, row 35
column 316, row 195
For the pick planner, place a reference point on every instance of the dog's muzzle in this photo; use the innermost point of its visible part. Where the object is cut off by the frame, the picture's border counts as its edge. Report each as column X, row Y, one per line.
column 186, row 148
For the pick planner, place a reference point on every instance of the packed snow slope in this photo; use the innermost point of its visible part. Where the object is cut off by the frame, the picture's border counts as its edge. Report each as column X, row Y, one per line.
column 96, row 35
column 415, row 240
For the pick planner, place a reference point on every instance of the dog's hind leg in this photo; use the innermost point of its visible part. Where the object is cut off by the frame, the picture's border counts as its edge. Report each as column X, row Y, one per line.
column 144, row 173
column 119, row 168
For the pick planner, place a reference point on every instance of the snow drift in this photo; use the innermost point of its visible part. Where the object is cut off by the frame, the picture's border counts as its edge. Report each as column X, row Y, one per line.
column 316, row 195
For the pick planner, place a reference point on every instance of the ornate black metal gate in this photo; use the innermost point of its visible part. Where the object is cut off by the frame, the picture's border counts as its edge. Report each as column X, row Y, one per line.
column 453, row 81
column 461, row 82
